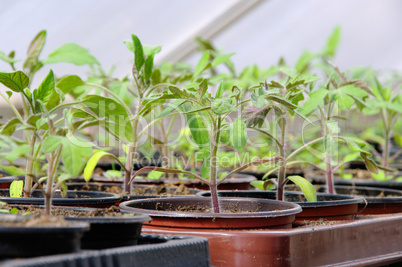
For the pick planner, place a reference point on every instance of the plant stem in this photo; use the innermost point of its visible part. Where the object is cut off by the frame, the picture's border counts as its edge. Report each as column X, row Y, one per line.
column 327, row 158
column 29, row 168
column 213, row 166
column 282, row 168
column 385, row 155
column 282, row 151
column 164, row 149
column 328, row 170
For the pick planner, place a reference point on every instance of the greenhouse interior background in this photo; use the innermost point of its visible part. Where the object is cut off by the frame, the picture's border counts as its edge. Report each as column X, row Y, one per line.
column 257, row 31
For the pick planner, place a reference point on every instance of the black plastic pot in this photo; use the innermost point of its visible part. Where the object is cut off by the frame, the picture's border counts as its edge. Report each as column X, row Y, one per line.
column 329, row 207
column 73, row 198
column 21, row 242
column 110, row 232
column 152, row 250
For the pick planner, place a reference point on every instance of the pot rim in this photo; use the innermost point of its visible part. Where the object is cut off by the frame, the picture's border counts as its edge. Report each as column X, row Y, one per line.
column 104, row 198
column 340, row 199
column 289, row 208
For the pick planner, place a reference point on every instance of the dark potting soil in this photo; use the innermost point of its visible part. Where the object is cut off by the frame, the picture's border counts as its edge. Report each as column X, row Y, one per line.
column 35, row 221
column 162, row 190
column 199, row 209
column 33, row 210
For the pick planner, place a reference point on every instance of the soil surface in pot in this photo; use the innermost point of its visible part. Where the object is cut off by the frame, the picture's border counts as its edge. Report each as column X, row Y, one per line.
column 60, row 212
column 36, row 220
column 202, row 209
column 170, row 189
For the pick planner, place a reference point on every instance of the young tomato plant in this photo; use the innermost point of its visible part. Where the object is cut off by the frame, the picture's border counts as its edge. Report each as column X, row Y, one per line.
column 337, row 94
column 282, row 98
column 48, row 135
column 212, row 121
column 121, row 120
column 47, row 95
column 382, row 102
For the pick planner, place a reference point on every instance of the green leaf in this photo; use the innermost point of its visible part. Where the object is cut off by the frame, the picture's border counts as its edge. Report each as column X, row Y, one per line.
column 177, row 91
column 7, row 59
column 316, row 98
column 332, row 42
column 16, row 81
column 282, row 101
column 344, row 101
column 353, row 91
column 219, row 91
column 333, row 127
column 329, row 145
column 72, row 156
column 51, row 143
column 14, row 210
column 46, row 88
column 197, row 127
column 201, row 65
column 147, row 50
column 154, row 175
column 356, row 145
column 171, row 107
column 21, row 151
column 288, row 71
column 149, row 63
column 221, row 106
column 71, row 53
column 156, row 76
column 9, row 127
column 63, row 188
column 151, row 50
column 16, row 188
column 264, row 185
column 91, row 164
column 203, row 88
column 237, row 134
column 306, row 187
column 257, row 100
column 118, row 121
column 370, row 164
column 12, row 170
column 34, row 50
column 221, row 59
column 206, row 168
column 68, row 83
column 138, row 52
column 304, row 60
column 202, row 154
column 113, row 174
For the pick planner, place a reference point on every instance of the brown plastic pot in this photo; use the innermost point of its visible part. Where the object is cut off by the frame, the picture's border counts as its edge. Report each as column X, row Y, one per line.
column 318, row 179
column 379, row 200
column 328, row 207
column 247, row 213
column 368, row 241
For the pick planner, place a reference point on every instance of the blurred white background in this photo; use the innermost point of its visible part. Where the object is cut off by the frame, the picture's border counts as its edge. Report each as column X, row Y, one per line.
column 257, row 31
